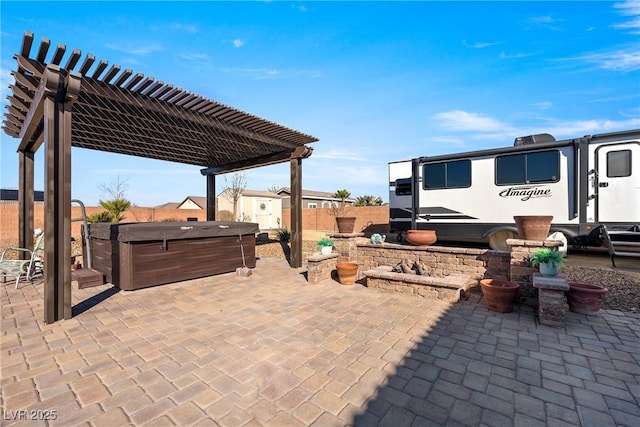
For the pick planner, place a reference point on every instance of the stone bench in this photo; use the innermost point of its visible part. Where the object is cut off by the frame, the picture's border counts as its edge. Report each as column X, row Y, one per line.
column 447, row 288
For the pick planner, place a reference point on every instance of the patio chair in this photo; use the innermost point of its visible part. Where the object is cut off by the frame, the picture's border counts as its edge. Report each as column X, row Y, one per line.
column 27, row 268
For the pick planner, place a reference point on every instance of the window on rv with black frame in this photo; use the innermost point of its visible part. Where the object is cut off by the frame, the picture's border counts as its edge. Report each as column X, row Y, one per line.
column 403, row 187
column 455, row 174
column 618, row 163
column 528, row 168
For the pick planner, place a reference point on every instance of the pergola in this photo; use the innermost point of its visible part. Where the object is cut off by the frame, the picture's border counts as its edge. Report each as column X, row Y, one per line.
column 108, row 109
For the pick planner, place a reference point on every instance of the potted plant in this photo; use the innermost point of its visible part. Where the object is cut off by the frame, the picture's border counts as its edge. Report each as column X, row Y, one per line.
column 345, row 223
column 325, row 245
column 548, row 259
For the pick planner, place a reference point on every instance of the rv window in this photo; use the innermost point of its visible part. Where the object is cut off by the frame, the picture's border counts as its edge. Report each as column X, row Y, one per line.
column 618, row 163
column 403, row 187
column 543, row 166
column 447, row 175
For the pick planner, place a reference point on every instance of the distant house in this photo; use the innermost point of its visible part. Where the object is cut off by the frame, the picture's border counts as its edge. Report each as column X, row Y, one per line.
column 262, row 207
column 193, row 202
column 170, row 205
column 312, row 199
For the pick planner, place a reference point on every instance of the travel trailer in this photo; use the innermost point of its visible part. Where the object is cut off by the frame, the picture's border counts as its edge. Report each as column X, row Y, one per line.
column 473, row 196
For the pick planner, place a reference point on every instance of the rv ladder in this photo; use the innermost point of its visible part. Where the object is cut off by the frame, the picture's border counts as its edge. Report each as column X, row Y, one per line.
column 622, row 243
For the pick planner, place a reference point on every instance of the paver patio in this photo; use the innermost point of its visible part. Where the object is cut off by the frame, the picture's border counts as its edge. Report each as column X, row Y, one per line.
column 272, row 350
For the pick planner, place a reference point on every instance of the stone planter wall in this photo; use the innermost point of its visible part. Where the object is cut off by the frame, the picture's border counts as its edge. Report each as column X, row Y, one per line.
column 476, row 263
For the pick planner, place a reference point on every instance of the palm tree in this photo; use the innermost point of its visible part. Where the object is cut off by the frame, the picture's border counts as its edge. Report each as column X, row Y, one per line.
column 368, row 201
column 343, row 195
column 115, row 207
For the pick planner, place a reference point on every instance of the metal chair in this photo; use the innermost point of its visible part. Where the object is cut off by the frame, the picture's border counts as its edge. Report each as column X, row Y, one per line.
column 27, row 268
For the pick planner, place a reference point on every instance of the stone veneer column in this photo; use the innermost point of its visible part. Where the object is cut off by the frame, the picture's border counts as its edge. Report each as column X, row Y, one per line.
column 347, row 246
column 520, row 270
column 551, row 298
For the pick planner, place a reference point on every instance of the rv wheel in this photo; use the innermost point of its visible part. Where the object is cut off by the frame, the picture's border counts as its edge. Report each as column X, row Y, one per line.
column 498, row 240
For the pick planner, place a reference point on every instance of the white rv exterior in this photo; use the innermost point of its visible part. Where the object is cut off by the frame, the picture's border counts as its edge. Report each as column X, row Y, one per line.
column 473, row 196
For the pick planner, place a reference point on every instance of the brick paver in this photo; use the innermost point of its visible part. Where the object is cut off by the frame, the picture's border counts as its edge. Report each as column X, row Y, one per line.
column 272, row 350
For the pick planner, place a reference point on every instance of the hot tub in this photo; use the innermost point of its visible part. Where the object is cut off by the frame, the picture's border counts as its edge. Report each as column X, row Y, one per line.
column 139, row 255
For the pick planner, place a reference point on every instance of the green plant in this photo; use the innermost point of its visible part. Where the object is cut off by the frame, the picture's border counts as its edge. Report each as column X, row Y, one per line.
column 102, row 216
column 547, row 256
column 284, row 235
column 342, row 208
column 324, row 242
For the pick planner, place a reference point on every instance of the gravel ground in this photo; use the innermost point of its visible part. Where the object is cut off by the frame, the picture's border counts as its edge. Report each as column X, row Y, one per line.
column 624, row 287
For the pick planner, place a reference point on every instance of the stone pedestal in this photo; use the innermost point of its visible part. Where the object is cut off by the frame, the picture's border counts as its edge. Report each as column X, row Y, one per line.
column 347, row 246
column 320, row 267
column 520, row 270
column 551, row 298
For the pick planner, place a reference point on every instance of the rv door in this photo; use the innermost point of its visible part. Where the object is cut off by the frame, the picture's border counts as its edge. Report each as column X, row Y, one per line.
column 618, row 183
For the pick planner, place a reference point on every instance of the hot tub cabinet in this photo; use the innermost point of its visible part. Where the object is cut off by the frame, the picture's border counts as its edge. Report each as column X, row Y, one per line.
column 139, row 255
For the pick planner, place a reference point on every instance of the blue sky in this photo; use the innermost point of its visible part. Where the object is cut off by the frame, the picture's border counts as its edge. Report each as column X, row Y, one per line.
column 374, row 81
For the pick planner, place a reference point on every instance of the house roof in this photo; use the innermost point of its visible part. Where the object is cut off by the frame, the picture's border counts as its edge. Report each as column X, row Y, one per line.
column 7, row 194
column 311, row 194
column 169, row 205
column 201, row 201
column 122, row 112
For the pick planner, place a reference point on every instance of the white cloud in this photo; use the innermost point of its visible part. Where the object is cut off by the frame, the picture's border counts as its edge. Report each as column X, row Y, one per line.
column 194, row 56
column 575, row 128
column 5, row 80
column 629, row 8
column 480, row 45
column 484, row 127
column 272, row 73
column 337, row 155
column 187, row 28
column 619, row 60
column 136, row 50
column 546, row 21
column 238, row 43
column 545, row 105
column 458, row 120
column 515, row 55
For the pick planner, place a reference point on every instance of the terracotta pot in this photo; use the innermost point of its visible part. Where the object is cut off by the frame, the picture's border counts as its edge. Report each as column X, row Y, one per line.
column 533, row 227
column 499, row 294
column 347, row 272
column 421, row 237
column 345, row 223
column 585, row 299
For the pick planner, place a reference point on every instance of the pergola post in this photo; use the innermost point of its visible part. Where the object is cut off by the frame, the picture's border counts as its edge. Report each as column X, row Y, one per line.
column 296, row 204
column 55, row 104
column 25, row 200
column 211, row 197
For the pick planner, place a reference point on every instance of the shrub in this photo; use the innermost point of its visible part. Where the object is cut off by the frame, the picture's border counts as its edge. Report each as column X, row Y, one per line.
column 103, row 216
column 325, row 241
column 284, row 235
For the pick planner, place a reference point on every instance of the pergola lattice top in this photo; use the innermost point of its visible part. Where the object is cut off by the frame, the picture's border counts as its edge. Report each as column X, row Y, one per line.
column 126, row 113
